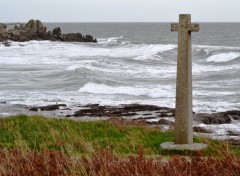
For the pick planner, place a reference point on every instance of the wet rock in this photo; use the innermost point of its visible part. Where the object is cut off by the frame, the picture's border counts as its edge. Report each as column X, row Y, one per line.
column 51, row 107
column 139, row 107
column 198, row 129
column 215, row 118
column 235, row 115
column 7, row 44
column 47, row 107
column 109, row 111
column 233, row 133
column 33, row 109
column 146, row 118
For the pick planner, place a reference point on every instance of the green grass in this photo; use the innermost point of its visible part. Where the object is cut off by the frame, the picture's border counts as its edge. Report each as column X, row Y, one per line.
column 75, row 137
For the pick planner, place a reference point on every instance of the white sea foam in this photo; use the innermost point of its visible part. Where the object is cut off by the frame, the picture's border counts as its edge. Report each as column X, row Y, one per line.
column 222, row 129
column 205, row 106
column 153, row 92
column 212, row 48
column 223, row 57
column 113, row 40
column 56, row 53
column 205, row 69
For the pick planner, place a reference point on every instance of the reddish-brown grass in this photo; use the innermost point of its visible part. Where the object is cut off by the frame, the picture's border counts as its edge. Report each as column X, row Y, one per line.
column 104, row 163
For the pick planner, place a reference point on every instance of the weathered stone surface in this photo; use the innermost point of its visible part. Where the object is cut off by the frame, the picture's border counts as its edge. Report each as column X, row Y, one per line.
column 173, row 146
column 35, row 30
column 184, row 122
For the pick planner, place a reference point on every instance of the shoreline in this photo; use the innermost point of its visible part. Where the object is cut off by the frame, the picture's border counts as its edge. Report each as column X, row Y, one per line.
column 219, row 125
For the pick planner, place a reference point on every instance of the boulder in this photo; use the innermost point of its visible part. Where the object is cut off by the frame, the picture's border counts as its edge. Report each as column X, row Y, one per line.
column 215, row 118
column 57, row 31
column 35, row 26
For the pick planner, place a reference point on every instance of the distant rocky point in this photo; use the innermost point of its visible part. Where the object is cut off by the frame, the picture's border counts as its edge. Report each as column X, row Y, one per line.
column 35, row 30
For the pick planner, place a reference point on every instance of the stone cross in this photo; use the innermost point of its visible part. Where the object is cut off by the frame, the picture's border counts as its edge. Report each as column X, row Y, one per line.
column 183, row 113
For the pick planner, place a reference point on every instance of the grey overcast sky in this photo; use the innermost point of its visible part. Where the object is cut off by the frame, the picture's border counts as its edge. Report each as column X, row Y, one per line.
column 119, row 10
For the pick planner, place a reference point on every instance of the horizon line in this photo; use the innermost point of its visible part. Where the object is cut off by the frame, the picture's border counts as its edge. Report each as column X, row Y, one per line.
column 122, row 22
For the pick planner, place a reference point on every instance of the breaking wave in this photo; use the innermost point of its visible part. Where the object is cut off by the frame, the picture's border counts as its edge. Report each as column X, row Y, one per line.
column 223, row 57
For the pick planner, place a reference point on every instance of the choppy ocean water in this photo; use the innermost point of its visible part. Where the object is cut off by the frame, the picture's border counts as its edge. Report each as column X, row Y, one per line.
column 131, row 63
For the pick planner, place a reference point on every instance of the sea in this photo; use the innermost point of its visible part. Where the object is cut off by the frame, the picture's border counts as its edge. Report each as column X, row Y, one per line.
column 130, row 63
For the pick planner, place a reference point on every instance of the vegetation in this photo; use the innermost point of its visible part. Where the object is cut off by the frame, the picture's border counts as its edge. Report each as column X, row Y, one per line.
column 32, row 145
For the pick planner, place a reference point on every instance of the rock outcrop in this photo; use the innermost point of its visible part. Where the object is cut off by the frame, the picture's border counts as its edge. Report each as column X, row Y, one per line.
column 35, row 30
column 3, row 27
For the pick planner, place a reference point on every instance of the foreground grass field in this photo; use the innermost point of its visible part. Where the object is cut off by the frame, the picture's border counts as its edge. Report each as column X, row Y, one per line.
column 32, row 145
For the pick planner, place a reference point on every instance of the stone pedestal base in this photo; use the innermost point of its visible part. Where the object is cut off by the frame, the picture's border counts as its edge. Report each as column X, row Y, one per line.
column 172, row 146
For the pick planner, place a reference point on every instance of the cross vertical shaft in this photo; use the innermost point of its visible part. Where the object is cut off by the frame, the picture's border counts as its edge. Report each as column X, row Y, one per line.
column 183, row 113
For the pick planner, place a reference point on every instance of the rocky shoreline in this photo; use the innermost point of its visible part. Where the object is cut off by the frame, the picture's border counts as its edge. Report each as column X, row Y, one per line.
column 35, row 30
column 162, row 118
column 150, row 116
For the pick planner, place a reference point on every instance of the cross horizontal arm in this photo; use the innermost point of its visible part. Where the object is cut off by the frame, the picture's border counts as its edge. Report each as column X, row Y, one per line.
column 188, row 27
column 174, row 27
column 193, row 27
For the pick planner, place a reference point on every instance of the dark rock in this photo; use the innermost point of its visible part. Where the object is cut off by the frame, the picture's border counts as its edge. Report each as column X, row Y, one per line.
column 35, row 30
column 89, row 37
column 235, row 115
column 147, row 114
column 233, row 133
column 57, row 31
column 198, row 129
column 163, row 114
column 139, row 107
column 145, row 118
column 51, row 107
column 109, row 111
column 46, row 108
column 215, row 118
column 7, row 44
column 33, row 109
column 3, row 102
